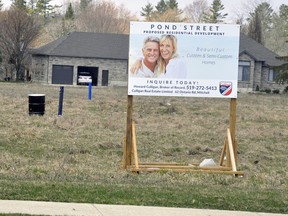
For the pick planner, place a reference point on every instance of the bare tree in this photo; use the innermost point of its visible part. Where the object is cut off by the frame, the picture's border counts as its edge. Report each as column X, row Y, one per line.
column 105, row 17
column 100, row 16
column 196, row 11
column 18, row 30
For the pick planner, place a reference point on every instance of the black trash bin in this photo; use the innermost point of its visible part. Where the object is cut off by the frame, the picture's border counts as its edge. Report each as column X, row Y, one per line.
column 36, row 104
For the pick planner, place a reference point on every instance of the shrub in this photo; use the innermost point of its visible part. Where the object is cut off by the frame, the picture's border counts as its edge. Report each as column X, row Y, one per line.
column 285, row 89
column 276, row 91
column 268, row 91
column 257, row 88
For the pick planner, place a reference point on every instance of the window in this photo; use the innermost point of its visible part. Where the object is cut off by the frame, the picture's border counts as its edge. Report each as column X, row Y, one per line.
column 244, row 71
column 105, row 74
column 272, row 75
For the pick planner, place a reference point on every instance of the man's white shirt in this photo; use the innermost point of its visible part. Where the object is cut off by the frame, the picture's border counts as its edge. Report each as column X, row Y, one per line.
column 144, row 71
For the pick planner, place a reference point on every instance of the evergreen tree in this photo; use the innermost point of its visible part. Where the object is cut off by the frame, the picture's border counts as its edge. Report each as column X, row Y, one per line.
column 282, row 71
column 283, row 12
column 20, row 4
column 166, row 11
column 172, row 4
column 282, row 74
column 260, row 22
column 265, row 12
column 255, row 28
column 69, row 12
column 1, row 5
column 215, row 15
column 161, row 7
column 44, row 8
column 147, row 11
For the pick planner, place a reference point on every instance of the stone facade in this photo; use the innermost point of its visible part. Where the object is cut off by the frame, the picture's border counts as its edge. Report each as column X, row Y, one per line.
column 42, row 68
column 266, row 84
column 118, row 71
column 258, row 77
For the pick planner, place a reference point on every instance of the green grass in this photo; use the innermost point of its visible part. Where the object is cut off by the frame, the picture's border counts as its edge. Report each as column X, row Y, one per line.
column 183, row 195
column 78, row 157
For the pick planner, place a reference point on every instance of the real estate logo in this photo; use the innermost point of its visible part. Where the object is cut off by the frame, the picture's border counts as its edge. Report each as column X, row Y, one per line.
column 225, row 88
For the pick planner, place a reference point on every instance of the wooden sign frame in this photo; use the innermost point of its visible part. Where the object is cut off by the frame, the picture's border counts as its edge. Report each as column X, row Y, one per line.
column 228, row 158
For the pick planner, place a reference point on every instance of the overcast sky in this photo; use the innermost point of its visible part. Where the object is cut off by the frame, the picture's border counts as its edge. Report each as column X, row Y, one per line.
column 232, row 7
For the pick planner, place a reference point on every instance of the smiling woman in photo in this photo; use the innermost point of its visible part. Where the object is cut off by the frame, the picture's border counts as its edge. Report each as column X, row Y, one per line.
column 171, row 65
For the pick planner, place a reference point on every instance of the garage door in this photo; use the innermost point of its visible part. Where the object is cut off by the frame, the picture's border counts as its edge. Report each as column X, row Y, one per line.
column 62, row 74
column 89, row 71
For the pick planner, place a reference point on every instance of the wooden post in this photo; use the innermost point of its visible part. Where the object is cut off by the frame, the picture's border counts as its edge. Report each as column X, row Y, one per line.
column 227, row 162
column 231, row 151
column 223, row 152
column 233, row 104
column 128, row 148
column 134, row 146
column 228, row 156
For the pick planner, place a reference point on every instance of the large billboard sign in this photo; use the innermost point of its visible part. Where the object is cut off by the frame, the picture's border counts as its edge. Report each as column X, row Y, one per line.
column 183, row 59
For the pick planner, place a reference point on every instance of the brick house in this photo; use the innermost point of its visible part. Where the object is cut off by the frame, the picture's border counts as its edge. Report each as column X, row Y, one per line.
column 105, row 57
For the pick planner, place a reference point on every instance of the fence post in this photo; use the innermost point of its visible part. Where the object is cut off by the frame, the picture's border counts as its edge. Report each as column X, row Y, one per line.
column 90, row 91
column 61, row 96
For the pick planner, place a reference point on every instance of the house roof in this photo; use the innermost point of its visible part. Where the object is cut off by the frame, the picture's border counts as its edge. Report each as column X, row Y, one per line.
column 258, row 52
column 88, row 44
column 116, row 46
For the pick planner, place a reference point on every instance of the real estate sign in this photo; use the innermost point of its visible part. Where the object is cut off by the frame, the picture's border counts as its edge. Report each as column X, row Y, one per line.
column 183, row 59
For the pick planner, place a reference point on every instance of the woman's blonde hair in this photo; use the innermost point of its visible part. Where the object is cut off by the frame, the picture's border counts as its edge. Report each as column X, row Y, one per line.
column 173, row 40
column 161, row 63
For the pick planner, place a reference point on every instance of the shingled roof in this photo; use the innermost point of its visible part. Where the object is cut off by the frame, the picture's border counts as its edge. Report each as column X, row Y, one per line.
column 88, row 44
column 258, row 52
column 116, row 46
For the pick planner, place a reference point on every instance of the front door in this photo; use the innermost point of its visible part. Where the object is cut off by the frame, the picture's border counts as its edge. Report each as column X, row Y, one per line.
column 105, row 77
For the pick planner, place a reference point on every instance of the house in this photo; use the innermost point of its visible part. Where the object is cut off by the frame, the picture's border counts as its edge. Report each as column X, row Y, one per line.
column 104, row 57
column 255, row 67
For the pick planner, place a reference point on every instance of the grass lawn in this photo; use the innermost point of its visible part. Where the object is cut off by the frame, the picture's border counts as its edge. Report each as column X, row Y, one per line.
column 77, row 157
